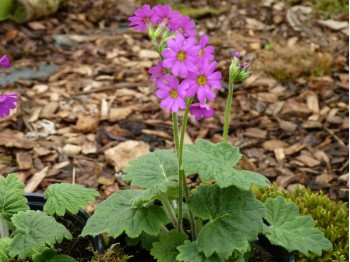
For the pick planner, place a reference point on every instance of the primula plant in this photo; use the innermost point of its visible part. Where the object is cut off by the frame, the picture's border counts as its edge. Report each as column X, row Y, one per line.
column 31, row 235
column 221, row 218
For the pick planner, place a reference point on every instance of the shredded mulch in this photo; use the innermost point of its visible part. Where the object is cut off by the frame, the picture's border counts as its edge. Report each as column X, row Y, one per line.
column 87, row 104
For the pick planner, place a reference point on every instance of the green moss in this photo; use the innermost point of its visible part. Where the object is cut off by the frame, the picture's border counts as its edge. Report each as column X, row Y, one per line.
column 113, row 254
column 331, row 217
column 323, row 6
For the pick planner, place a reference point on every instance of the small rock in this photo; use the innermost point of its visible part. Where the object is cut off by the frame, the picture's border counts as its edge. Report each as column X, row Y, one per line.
column 120, row 155
column 70, row 149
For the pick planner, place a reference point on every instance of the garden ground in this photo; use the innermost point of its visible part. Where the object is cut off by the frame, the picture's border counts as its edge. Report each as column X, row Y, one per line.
column 87, row 104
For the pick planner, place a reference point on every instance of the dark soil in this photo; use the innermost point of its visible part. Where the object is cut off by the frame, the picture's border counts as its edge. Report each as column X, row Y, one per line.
column 81, row 248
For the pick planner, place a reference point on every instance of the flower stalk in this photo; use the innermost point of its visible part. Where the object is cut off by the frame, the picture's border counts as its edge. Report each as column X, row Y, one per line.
column 4, row 228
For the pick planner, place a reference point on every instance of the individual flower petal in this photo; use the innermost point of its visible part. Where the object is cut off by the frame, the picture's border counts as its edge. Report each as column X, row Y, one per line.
column 5, row 61
column 201, row 110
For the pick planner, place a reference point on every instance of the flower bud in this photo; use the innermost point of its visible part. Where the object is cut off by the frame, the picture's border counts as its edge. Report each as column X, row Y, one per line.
column 238, row 72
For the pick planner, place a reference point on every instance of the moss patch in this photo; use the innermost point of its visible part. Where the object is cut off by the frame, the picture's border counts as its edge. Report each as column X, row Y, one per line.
column 331, row 217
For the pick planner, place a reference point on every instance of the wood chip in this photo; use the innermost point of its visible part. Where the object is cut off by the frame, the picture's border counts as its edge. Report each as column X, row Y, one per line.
column 117, row 114
column 294, row 108
column 308, row 160
column 294, row 148
column 70, row 149
column 35, row 180
column 24, row 160
column 312, row 103
column 87, row 124
column 271, row 145
column 120, row 155
column 279, row 154
column 255, row 133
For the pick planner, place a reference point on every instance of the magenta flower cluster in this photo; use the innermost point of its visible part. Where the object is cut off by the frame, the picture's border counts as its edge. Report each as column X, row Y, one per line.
column 7, row 101
column 187, row 67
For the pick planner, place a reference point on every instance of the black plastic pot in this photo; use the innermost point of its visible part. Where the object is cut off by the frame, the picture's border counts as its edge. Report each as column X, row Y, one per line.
column 279, row 254
column 36, row 202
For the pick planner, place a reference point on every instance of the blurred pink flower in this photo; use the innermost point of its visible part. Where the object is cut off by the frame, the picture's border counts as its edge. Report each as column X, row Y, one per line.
column 5, row 61
column 144, row 16
column 7, row 102
column 201, row 110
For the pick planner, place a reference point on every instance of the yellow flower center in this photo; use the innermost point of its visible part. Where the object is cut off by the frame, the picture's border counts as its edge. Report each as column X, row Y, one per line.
column 174, row 93
column 202, row 80
column 201, row 53
column 181, row 56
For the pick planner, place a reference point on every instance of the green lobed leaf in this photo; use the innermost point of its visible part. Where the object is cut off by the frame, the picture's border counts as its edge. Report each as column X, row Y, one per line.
column 50, row 255
column 12, row 196
column 292, row 231
column 62, row 197
column 165, row 249
column 116, row 215
column 235, row 219
column 216, row 162
column 4, row 249
column 189, row 253
column 144, row 239
column 158, row 191
column 152, row 169
column 35, row 229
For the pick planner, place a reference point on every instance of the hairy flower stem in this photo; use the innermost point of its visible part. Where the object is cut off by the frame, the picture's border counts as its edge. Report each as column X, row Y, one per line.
column 4, row 228
column 176, row 132
column 180, row 197
column 169, row 211
column 182, row 173
column 163, row 228
column 228, row 110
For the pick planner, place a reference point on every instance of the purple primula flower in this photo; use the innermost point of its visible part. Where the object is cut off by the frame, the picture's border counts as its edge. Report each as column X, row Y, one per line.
column 165, row 16
column 7, row 102
column 185, row 26
column 202, row 82
column 172, row 94
column 5, row 61
column 205, row 51
column 182, row 55
column 201, row 110
column 157, row 72
column 144, row 16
